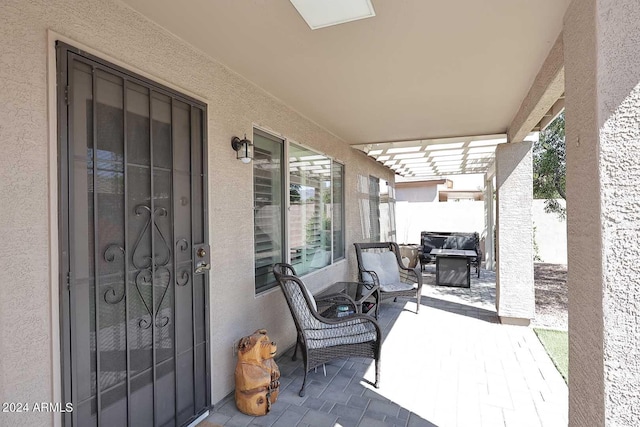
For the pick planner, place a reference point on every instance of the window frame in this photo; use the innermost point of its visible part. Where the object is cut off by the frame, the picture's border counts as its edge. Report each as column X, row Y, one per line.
column 343, row 213
column 374, row 201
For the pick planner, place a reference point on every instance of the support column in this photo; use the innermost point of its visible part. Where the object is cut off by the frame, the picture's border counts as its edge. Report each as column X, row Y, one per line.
column 515, row 300
column 489, row 223
column 602, row 70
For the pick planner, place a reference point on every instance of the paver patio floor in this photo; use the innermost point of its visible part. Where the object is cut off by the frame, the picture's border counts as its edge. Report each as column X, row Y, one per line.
column 453, row 364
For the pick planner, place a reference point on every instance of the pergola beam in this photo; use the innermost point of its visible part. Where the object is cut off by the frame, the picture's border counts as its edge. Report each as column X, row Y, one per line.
column 551, row 115
column 546, row 89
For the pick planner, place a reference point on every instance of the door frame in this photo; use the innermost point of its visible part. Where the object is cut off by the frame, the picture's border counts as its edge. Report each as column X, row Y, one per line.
column 59, row 211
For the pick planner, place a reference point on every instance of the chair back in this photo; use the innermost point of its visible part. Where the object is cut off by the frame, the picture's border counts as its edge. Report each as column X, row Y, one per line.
column 283, row 269
column 301, row 303
column 383, row 258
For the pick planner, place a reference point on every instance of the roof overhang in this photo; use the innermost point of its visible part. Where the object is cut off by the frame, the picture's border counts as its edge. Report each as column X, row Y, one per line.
column 419, row 69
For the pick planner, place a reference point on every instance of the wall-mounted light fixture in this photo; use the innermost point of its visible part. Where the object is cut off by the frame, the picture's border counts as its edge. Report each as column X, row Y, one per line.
column 242, row 148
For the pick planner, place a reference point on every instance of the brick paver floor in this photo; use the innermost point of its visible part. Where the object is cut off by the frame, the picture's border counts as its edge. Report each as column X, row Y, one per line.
column 453, row 364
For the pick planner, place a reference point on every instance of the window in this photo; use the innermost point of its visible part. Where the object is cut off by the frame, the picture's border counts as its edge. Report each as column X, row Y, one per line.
column 310, row 216
column 387, row 212
column 377, row 209
column 310, row 233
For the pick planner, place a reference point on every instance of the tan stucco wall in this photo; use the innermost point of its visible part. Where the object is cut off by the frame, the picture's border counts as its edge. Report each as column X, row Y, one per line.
column 602, row 68
column 584, row 249
column 27, row 326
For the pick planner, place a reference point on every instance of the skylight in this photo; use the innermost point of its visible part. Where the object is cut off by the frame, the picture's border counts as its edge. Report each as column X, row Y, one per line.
column 325, row 13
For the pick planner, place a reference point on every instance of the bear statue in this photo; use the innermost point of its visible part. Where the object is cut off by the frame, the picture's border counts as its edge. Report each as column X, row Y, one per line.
column 257, row 375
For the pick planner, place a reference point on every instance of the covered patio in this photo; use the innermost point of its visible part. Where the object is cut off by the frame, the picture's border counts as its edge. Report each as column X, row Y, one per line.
column 138, row 242
column 453, row 364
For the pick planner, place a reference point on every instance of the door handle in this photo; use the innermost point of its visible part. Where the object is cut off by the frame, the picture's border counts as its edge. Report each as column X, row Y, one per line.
column 201, row 267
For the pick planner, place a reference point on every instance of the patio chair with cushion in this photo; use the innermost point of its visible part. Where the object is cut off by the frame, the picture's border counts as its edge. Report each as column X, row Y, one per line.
column 380, row 263
column 322, row 339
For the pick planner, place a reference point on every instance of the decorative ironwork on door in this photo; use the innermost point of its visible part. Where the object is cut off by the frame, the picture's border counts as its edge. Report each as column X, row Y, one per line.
column 134, row 256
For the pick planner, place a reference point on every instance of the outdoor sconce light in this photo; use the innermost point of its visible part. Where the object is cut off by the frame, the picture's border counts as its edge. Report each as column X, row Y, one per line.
column 242, row 147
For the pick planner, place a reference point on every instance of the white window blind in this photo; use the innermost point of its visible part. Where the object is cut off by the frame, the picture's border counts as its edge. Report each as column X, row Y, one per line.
column 268, row 202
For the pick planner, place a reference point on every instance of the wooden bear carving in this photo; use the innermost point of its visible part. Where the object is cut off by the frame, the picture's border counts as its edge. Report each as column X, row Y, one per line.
column 257, row 375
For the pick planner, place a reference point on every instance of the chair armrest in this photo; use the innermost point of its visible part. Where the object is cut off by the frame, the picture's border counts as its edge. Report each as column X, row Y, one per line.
column 404, row 271
column 373, row 274
column 415, row 270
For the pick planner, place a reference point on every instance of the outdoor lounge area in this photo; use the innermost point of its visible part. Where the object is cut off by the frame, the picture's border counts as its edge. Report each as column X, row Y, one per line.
column 453, row 364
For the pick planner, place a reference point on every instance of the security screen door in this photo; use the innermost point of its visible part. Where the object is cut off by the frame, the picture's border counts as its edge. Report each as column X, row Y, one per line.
column 134, row 260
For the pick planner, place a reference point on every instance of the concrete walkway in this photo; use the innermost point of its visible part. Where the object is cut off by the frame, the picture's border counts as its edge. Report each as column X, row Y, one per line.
column 451, row 365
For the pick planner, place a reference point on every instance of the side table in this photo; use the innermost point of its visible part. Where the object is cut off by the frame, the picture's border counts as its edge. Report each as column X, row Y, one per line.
column 366, row 296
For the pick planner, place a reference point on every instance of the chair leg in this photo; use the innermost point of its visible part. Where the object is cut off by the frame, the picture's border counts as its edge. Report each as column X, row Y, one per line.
column 305, row 363
column 304, row 383
column 295, row 351
column 377, row 383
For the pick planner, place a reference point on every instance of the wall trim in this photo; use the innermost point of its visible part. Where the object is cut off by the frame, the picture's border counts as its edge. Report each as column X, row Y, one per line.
column 54, row 241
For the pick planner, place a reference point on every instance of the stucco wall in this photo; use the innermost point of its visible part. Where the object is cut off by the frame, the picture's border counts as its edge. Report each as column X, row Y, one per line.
column 27, row 326
column 603, row 140
column 619, row 121
column 514, row 231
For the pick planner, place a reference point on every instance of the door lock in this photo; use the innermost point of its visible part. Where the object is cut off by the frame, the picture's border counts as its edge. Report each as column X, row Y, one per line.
column 202, row 258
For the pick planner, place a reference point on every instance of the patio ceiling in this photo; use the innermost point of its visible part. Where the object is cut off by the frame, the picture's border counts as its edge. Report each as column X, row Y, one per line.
column 419, row 70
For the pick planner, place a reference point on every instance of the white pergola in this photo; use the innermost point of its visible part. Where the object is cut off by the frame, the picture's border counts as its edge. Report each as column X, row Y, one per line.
column 431, row 158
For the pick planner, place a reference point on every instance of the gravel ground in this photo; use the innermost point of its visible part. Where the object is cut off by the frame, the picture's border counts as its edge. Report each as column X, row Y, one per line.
column 551, row 296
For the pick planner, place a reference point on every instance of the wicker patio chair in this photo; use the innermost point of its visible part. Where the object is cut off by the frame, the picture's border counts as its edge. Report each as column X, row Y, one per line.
column 321, row 339
column 380, row 263
column 328, row 303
